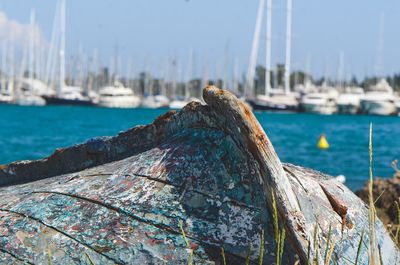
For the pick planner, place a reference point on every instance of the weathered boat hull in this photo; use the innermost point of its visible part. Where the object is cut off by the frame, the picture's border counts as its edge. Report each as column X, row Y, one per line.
column 208, row 170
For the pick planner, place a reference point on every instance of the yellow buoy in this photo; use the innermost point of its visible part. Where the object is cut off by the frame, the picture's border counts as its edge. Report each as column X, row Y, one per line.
column 322, row 142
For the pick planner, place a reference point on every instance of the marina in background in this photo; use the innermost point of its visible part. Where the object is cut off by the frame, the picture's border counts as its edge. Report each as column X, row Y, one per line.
column 45, row 77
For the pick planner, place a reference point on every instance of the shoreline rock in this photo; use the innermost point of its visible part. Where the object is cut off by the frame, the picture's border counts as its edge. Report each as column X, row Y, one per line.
column 386, row 192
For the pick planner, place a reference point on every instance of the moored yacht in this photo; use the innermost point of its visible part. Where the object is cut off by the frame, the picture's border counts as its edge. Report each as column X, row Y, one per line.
column 379, row 100
column 397, row 103
column 319, row 102
column 6, row 98
column 31, row 100
column 178, row 103
column 118, row 96
column 7, row 93
column 66, row 94
column 276, row 102
column 69, row 95
column 277, row 99
column 31, row 92
column 155, row 102
column 349, row 101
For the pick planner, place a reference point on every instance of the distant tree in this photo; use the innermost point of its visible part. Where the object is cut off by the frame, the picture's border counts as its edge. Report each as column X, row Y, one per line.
column 299, row 77
column 280, row 72
column 368, row 82
column 353, row 81
column 260, row 79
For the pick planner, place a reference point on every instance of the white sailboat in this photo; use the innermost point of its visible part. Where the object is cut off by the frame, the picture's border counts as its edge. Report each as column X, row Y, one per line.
column 178, row 101
column 277, row 99
column 65, row 94
column 379, row 99
column 31, row 89
column 6, row 86
column 151, row 100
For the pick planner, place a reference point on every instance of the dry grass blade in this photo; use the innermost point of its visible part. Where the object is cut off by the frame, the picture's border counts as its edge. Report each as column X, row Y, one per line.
column 372, row 211
column 49, row 257
column 328, row 258
column 328, row 241
column 223, row 256
column 380, row 254
column 190, row 258
column 89, row 258
column 398, row 223
column 377, row 198
column 183, row 233
column 248, row 255
column 359, row 247
column 262, row 247
column 279, row 234
column 315, row 238
column 281, row 247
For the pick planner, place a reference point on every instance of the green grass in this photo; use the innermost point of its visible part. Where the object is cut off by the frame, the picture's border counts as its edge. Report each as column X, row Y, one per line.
column 327, row 243
column 280, row 234
column 190, row 258
column 262, row 247
column 49, row 257
column 91, row 262
column 223, row 256
column 248, row 255
column 359, row 247
column 396, row 237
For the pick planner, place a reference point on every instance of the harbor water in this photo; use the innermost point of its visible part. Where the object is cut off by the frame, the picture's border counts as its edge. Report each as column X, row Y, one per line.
column 34, row 132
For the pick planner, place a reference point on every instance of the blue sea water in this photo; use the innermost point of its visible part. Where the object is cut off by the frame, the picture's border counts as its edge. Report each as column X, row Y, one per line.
column 34, row 132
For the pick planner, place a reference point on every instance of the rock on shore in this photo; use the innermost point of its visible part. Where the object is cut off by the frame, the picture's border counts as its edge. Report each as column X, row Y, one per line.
column 386, row 192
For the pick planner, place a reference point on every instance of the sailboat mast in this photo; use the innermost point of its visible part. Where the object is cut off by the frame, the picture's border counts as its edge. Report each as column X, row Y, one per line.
column 3, row 66
column 189, row 74
column 340, row 74
column 268, row 49
column 254, row 51
column 62, row 47
column 379, row 68
column 288, row 45
column 10, row 87
column 226, row 65
column 32, row 46
column 235, row 80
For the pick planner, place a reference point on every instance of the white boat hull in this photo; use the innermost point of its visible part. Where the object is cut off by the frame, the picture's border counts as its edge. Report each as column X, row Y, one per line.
column 31, row 101
column 378, row 107
column 123, row 102
column 348, row 108
column 6, row 99
column 155, row 102
column 178, row 104
column 319, row 108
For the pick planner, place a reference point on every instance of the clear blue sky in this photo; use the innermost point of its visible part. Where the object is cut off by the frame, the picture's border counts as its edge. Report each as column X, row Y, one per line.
column 156, row 29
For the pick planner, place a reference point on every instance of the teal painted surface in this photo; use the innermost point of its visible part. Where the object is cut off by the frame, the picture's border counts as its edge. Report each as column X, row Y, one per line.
column 34, row 132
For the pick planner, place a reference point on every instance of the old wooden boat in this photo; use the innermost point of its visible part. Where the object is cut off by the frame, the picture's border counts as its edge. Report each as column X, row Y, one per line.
column 178, row 191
